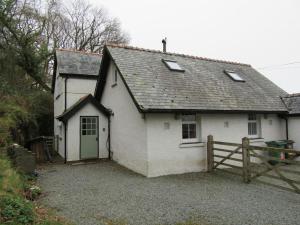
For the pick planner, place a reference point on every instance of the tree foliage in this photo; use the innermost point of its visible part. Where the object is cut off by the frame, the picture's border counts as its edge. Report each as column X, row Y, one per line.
column 30, row 31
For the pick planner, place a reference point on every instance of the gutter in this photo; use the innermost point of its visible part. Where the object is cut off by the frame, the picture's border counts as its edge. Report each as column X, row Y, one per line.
column 153, row 110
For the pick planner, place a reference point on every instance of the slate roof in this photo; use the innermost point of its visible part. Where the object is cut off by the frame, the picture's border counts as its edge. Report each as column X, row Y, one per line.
column 79, row 105
column 78, row 62
column 292, row 102
column 203, row 86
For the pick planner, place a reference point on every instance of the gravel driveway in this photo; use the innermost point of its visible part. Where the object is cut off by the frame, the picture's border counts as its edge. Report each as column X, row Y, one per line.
column 98, row 193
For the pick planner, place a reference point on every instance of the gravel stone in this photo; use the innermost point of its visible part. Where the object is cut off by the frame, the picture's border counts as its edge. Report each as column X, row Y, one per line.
column 97, row 193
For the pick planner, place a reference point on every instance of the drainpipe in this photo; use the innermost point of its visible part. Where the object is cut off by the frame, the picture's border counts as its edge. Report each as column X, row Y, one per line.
column 66, row 127
column 109, row 150
column 66, row 122
column 286, row 127
column 66, row 79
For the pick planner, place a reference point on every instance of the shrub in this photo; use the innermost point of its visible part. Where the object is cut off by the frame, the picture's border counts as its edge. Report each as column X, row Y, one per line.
column 15, row 210
column 32, row 192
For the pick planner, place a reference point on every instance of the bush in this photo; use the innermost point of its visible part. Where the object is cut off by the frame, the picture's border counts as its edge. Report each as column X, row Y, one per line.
column 32, row 192
column 15, row 210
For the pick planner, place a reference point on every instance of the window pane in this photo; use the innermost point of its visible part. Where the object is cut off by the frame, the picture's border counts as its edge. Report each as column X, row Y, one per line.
column 83, row 120
column 252, row 128
column 192, row 130
column 88, row 132
column 94, row 120
column 88, row 120
column 94, row 126
column 83, row 126
column 191, row 117
column 116, row 76
column 235, row 76
column 173, row 65
column 252, row 117
column 93, row 132
column 185, row 131
column 83, row 132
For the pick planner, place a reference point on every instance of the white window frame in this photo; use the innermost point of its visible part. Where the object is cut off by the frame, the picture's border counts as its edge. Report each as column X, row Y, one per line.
column 256, row 121
column 190, row 140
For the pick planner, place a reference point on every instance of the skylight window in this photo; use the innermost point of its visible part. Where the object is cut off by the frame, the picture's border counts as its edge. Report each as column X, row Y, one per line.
column 173, row 65
column 234, row 76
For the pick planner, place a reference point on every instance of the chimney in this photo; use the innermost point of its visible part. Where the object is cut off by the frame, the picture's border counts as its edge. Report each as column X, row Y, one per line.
column 164, row 41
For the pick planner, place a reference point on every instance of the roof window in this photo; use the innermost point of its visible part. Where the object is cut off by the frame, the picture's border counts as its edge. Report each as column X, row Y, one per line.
column 173, row 65
column 234, row 76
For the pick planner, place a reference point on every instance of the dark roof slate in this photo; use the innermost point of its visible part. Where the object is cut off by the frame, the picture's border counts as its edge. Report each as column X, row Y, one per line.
column 292, row 102
column 79, row 105
column 78, row 62
column 203, row 85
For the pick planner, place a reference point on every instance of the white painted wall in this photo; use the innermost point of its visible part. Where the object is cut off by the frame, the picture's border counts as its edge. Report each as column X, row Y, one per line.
column 294, row 131
column 168, row 155
column 76, row 88
column 238, row 127
column 59, row 106
column 73, row 133
column 128, row 128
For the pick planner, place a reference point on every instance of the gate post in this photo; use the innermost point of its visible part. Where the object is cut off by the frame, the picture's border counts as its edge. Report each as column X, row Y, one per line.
column 246, row 160
column 210, row 153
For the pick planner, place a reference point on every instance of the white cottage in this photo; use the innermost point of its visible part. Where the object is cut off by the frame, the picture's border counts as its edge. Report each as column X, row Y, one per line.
column 155, row 109
column 80, row 123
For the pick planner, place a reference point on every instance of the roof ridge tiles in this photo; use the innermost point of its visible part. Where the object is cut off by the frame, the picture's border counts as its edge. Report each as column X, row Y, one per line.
column 174, row 54
column 77, row 51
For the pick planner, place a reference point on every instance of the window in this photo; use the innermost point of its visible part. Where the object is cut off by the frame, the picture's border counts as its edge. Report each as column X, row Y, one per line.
column 173, row 65
column 234, row 76
column 115, row 78
column 189, row 127
column 253, row 126
column 89, row 126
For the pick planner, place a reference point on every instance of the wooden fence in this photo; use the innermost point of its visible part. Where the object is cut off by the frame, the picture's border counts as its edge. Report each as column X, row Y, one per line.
column 43, row 148
column 256, row 163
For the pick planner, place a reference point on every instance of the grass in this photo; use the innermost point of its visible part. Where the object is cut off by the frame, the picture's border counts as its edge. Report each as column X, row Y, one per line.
column 15, row 206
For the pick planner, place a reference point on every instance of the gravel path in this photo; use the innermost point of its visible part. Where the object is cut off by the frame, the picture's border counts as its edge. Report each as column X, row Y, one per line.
column 97, row 193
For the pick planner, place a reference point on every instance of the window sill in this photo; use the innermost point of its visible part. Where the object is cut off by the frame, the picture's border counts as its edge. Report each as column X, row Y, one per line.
column 253, row 140
column 115, row 84
column 191, row 144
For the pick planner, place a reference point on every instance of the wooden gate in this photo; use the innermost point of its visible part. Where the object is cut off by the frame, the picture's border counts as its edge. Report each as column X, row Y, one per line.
column 256, row 163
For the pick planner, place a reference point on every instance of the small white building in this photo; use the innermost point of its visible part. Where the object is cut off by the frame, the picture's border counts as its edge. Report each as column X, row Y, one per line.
column 292, row 102
column 80, row 123
column 155, row 109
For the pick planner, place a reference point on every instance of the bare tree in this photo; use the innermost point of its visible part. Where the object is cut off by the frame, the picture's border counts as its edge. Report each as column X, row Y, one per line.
column 83, row 27
column 32, row 29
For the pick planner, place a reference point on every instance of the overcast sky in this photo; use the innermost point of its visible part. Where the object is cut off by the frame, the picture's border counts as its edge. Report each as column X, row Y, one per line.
column 263, row 33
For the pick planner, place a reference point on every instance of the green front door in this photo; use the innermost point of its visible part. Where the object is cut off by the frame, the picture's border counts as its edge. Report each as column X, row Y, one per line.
column 88, row 137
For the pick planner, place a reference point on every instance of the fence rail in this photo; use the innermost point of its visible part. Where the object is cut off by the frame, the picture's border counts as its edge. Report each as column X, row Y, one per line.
column 253, row 162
